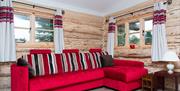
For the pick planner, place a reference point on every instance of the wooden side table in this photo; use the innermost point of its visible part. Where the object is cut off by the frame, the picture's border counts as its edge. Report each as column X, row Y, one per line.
column 147, row 83
column 159, row 79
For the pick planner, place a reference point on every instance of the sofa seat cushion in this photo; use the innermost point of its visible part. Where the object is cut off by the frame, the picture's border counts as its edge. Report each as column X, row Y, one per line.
column 125, row 74
column 61, row 80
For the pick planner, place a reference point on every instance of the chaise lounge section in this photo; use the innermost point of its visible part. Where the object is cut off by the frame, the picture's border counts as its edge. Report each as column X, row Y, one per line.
column 76, row 71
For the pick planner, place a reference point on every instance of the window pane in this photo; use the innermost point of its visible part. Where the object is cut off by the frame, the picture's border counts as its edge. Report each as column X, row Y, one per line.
column 148, row 37
column 43, row 23
column 21, row 21
column 148, row 24
column 44, row 36
column 121, row 35
column 148, row 31
column 134, row 32
column 121, row 28
column 22, row 35
column 134, row 27
column 134, row 38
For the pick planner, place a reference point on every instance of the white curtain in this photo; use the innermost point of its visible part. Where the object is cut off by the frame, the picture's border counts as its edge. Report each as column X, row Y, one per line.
column 7, row 38
column 58, row 32
column 159, row 41
column 111, row 31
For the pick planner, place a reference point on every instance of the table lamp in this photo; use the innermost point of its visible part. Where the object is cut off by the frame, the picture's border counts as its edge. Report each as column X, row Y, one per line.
column 170, row 57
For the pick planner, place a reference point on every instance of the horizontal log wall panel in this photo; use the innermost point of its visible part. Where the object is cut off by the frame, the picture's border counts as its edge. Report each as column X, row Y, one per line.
column 82, row 28
column 81, row 18
column 173, row 26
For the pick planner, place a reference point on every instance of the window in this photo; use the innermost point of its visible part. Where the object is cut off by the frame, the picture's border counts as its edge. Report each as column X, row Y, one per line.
column 22, row 28
column 121, row 35
column 44, row 30
column 138, row 32
column 32, row 28
column 148, row 25
column 134, row 32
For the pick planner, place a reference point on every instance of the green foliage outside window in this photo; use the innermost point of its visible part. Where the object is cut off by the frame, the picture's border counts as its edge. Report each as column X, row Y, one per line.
column 121, row 35
column 134, row 40
column 44, row 30
column 148, row 38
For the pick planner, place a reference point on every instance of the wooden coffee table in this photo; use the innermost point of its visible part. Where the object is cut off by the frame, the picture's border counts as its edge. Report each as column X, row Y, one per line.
column 159, row 79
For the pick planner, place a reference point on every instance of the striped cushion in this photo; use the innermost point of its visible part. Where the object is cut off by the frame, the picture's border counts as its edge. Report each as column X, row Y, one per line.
column 84, row 61
column 94, row 57
column 44, row 64
column 70, row 62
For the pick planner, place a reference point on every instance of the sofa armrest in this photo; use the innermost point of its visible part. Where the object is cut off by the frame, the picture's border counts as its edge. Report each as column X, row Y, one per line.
column 19, row 78
column 133, row 63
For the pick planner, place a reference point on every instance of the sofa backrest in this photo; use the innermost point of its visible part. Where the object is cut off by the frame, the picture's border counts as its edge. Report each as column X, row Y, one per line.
column 70, row 60
column 44, row 64
column 95, row 59
column 40, row 51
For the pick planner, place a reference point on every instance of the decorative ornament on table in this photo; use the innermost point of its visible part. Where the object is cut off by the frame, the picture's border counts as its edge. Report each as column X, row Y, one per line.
column 170, row 57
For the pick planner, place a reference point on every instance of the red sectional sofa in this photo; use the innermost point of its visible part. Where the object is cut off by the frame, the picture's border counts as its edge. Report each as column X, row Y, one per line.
column 76, row 71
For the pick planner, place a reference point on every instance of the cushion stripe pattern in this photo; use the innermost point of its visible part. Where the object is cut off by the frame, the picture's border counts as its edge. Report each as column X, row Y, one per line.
column 43, row 64
column 71, row 62
column 83, row 59
column 95, row 60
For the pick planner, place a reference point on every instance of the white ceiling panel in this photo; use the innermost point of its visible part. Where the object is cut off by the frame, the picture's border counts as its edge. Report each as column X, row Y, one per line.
column 95, row 7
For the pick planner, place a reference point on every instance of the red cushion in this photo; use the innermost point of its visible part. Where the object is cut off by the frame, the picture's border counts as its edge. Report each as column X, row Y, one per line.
column 71, row 51
column 40, row 51
column 125, row 74
column 95, row 50
column 54, row 81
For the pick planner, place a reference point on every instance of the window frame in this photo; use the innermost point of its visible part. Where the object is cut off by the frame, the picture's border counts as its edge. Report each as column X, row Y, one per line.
column 32, row 41
column 141, row 19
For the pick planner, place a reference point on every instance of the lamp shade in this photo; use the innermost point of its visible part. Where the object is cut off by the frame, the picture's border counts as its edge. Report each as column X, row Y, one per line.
column 170, row 56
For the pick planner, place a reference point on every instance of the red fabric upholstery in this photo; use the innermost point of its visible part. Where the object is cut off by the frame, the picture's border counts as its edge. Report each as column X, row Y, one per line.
column 40, row 51
column 131, row 63
column 19, row 78
column 54, row 81
column 125, row 74
column 82, row 87
column 95, row 50
column 121, row 86
column 71, row 50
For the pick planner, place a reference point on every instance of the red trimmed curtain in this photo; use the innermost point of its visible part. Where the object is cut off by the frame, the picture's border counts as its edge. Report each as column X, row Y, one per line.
column 58, row 32
column 7, row 37
column 159, row 41
column 111, row 31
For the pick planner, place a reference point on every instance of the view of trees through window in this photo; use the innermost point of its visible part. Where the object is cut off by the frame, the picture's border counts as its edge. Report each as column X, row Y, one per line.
column 148, row 31
column 121, row 35
column 134, row 32
column 43, row 28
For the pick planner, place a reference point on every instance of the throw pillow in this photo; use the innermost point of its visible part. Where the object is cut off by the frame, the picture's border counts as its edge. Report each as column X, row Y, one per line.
column 22, row 62
column 106, row 60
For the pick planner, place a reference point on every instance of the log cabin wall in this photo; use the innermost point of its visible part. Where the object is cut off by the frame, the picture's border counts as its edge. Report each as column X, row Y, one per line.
column 138, row 12
column 173, row 26
column 143, row 52
column 82, row 31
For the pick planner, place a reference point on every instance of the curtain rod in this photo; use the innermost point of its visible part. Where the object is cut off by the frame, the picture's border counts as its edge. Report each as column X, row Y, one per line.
column 133, row 12
column 34, row 5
